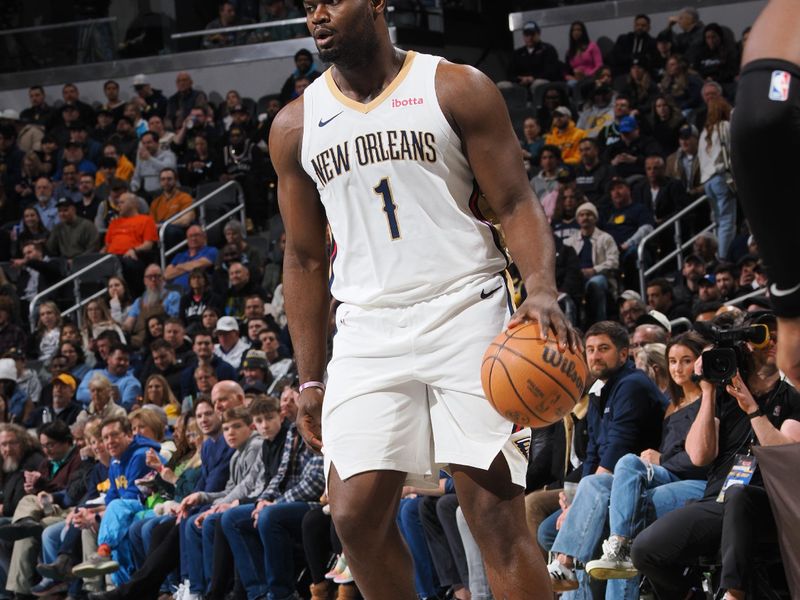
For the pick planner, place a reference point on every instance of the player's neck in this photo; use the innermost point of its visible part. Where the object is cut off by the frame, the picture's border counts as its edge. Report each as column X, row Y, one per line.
column 366, row 81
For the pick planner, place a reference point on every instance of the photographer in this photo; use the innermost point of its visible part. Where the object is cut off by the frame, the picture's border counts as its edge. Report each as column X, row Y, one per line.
column 756, row 407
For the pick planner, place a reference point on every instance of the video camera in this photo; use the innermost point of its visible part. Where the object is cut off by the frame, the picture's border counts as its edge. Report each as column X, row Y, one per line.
column 721, row 363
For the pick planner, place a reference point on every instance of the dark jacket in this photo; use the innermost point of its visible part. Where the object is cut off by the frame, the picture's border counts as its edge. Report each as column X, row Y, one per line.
column 215, row 456
column 72, row 468
column 13, row 482
column 49, row 274
column 569, row 279
column 189, row 386
column 541, row 62
column 670, row 199
column 626, row 417
column 629, row 46
column 640, row 148
column 46, row 414
column 593, row 182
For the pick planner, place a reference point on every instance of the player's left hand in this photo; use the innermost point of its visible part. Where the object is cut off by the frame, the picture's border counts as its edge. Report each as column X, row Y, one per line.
column 543, row 308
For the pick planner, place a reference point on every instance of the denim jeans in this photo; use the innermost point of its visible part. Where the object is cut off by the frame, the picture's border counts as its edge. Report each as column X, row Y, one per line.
column 201, row 552
column 51, row 540
column 596, row 289
column 410, row 526
column 723, row 207
column 478, row 582
column 237, row 525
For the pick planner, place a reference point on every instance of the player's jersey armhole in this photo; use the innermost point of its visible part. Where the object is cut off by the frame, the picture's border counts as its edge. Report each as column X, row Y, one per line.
column 446, row 127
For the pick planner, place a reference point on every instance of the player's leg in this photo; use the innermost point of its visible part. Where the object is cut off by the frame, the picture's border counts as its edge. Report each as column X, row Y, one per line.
column 364, row 511
column 765, row 138
column 494, row 508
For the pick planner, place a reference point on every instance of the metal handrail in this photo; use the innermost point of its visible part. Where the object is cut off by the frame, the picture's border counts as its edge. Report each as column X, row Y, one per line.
column 68, row 279
column 78, row 305
column 198, row 204
column 246, row 27
column 37, row 28
column 754, row 294
column 679, row 245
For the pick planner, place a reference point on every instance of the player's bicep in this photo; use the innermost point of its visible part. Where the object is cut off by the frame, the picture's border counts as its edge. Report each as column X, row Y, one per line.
column 481, row 118
column 301, row 210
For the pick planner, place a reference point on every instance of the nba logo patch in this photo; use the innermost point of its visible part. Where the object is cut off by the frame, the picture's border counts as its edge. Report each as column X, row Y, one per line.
column 779, row 86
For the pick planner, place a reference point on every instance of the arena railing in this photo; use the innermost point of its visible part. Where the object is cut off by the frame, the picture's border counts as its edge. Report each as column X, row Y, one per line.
column 74, row 279
column 759, row 293
column 677, row 253
column 200, row 206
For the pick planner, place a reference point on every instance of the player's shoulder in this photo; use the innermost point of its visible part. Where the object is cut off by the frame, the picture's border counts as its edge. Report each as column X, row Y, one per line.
column 287, row 128
column 459, row 86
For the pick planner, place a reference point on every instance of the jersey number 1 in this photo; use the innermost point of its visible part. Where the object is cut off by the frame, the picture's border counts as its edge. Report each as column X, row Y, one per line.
column 389, row 207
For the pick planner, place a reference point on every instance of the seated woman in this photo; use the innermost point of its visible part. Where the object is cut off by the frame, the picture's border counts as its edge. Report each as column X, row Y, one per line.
column 44, row 343
column 149, row 423
column 642, row 488
column 97, row 319
column 157, row 392
column 76, row 359
column 197, row 300
column 119, row 299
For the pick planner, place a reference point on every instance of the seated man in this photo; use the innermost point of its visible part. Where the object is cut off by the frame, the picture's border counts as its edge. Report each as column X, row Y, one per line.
column 231, row 347
column 661, row 298
column 627, row 223
column 203, row 349
column 36, row 272
column 164, row 362
column 565, row 136
column 240, row 286
column 279, row 366
column 263, row 551
column 49, row 489
column 63, row 408
column 150, row 161
column 117, row 373
column 198, row 255
column 731, row 519
column 132, row 237
column 156, row 300
column 628, row 153
column 598, row 258
column 73, row 235
column 169, row 203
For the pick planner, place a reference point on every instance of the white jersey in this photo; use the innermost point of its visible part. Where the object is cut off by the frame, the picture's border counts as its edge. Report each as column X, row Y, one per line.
column 399, row 195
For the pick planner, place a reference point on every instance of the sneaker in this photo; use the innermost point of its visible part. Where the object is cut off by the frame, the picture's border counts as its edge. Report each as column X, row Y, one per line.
column 95, row 566
column 336, row 571
column 47, row 587
column 562, row 577
column 344, row 577
column 616, row 561
column 180, row 592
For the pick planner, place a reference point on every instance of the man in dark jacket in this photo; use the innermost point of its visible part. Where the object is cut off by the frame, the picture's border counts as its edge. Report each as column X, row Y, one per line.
column 64, row 408
column 536, row 62
column 634, row 44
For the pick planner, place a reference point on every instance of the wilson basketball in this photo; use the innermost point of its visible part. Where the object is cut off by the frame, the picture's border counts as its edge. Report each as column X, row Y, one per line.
column 529, row 381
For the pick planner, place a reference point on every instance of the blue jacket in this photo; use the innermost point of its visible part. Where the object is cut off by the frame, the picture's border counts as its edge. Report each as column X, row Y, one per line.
column 626, row 417
column 129, row 388
column 215, row 456
column 123, row 472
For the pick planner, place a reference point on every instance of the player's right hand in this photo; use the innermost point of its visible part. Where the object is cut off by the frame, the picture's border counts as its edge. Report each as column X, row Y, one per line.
column 309, row 417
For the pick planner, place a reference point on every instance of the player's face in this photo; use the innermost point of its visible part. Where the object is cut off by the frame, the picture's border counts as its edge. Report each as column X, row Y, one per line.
column 343, row 30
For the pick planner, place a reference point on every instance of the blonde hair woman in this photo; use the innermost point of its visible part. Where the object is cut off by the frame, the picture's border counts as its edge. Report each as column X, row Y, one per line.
column 652, row 359
column 48, row 330
column 157, row 391
column 97, row 319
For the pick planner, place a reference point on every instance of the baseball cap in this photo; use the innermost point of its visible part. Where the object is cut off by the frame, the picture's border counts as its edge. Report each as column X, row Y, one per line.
column 64, row 201
column 140, row 79
column 688, row 131
column 255, row 359
column 8, row 369
column 66, row 379
column 563, row 110
column 227, row 324
column 630, row 295
column 627, row 124
column 564, row 175
column 655, row 317
column 14, row 353
column 238, row 108
column 615, row 181
column 531, row 27
column 588, row 206
column 10, row 114
column 708, row 279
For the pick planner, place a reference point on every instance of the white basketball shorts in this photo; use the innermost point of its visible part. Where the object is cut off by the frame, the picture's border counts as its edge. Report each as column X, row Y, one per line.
column 404, row 388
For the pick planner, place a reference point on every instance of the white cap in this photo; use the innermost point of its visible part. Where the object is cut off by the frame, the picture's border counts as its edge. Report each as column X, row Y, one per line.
column 227, row 324
column 655, row 317
column 10, row 113
column 140, row 79
column 8, row 369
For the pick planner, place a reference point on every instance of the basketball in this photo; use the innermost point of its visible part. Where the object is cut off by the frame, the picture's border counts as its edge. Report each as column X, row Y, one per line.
column 529, row 381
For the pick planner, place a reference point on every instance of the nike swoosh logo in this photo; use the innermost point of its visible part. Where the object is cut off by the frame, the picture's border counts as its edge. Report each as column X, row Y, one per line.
column 323, row 123
column 485, row 295
column 775, row 291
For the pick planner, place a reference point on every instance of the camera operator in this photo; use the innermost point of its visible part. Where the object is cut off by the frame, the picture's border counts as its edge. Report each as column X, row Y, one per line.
column 758, row 407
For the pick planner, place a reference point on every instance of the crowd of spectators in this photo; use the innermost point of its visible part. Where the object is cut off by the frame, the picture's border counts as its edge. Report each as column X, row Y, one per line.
column 149, row 446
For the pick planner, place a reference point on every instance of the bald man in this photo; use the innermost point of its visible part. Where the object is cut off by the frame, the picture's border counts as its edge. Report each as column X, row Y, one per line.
column 225, row 395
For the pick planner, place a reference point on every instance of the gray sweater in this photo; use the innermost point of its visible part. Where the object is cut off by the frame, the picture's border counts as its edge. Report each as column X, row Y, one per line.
column 247, row 477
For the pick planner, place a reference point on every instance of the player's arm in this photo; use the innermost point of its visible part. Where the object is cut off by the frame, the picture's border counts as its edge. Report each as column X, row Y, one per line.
column 478, row 114
column 305, row 264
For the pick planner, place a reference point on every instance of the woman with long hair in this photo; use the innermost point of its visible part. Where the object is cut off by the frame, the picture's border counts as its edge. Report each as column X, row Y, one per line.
column 681, row 85
column 639, row 85
column 654, row 482
column 97, row 319
column 200, row 296
column 119, row 299
column 157, row 391
column 651, row 359
column 583, row 55
column 30, row 229
column 714, row 151
column 73, row 353
column 666, row 121
column 48, row 331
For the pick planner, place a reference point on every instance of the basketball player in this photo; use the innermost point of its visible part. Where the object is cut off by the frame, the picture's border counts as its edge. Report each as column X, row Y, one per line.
column 765, row 135
column 386, row 147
